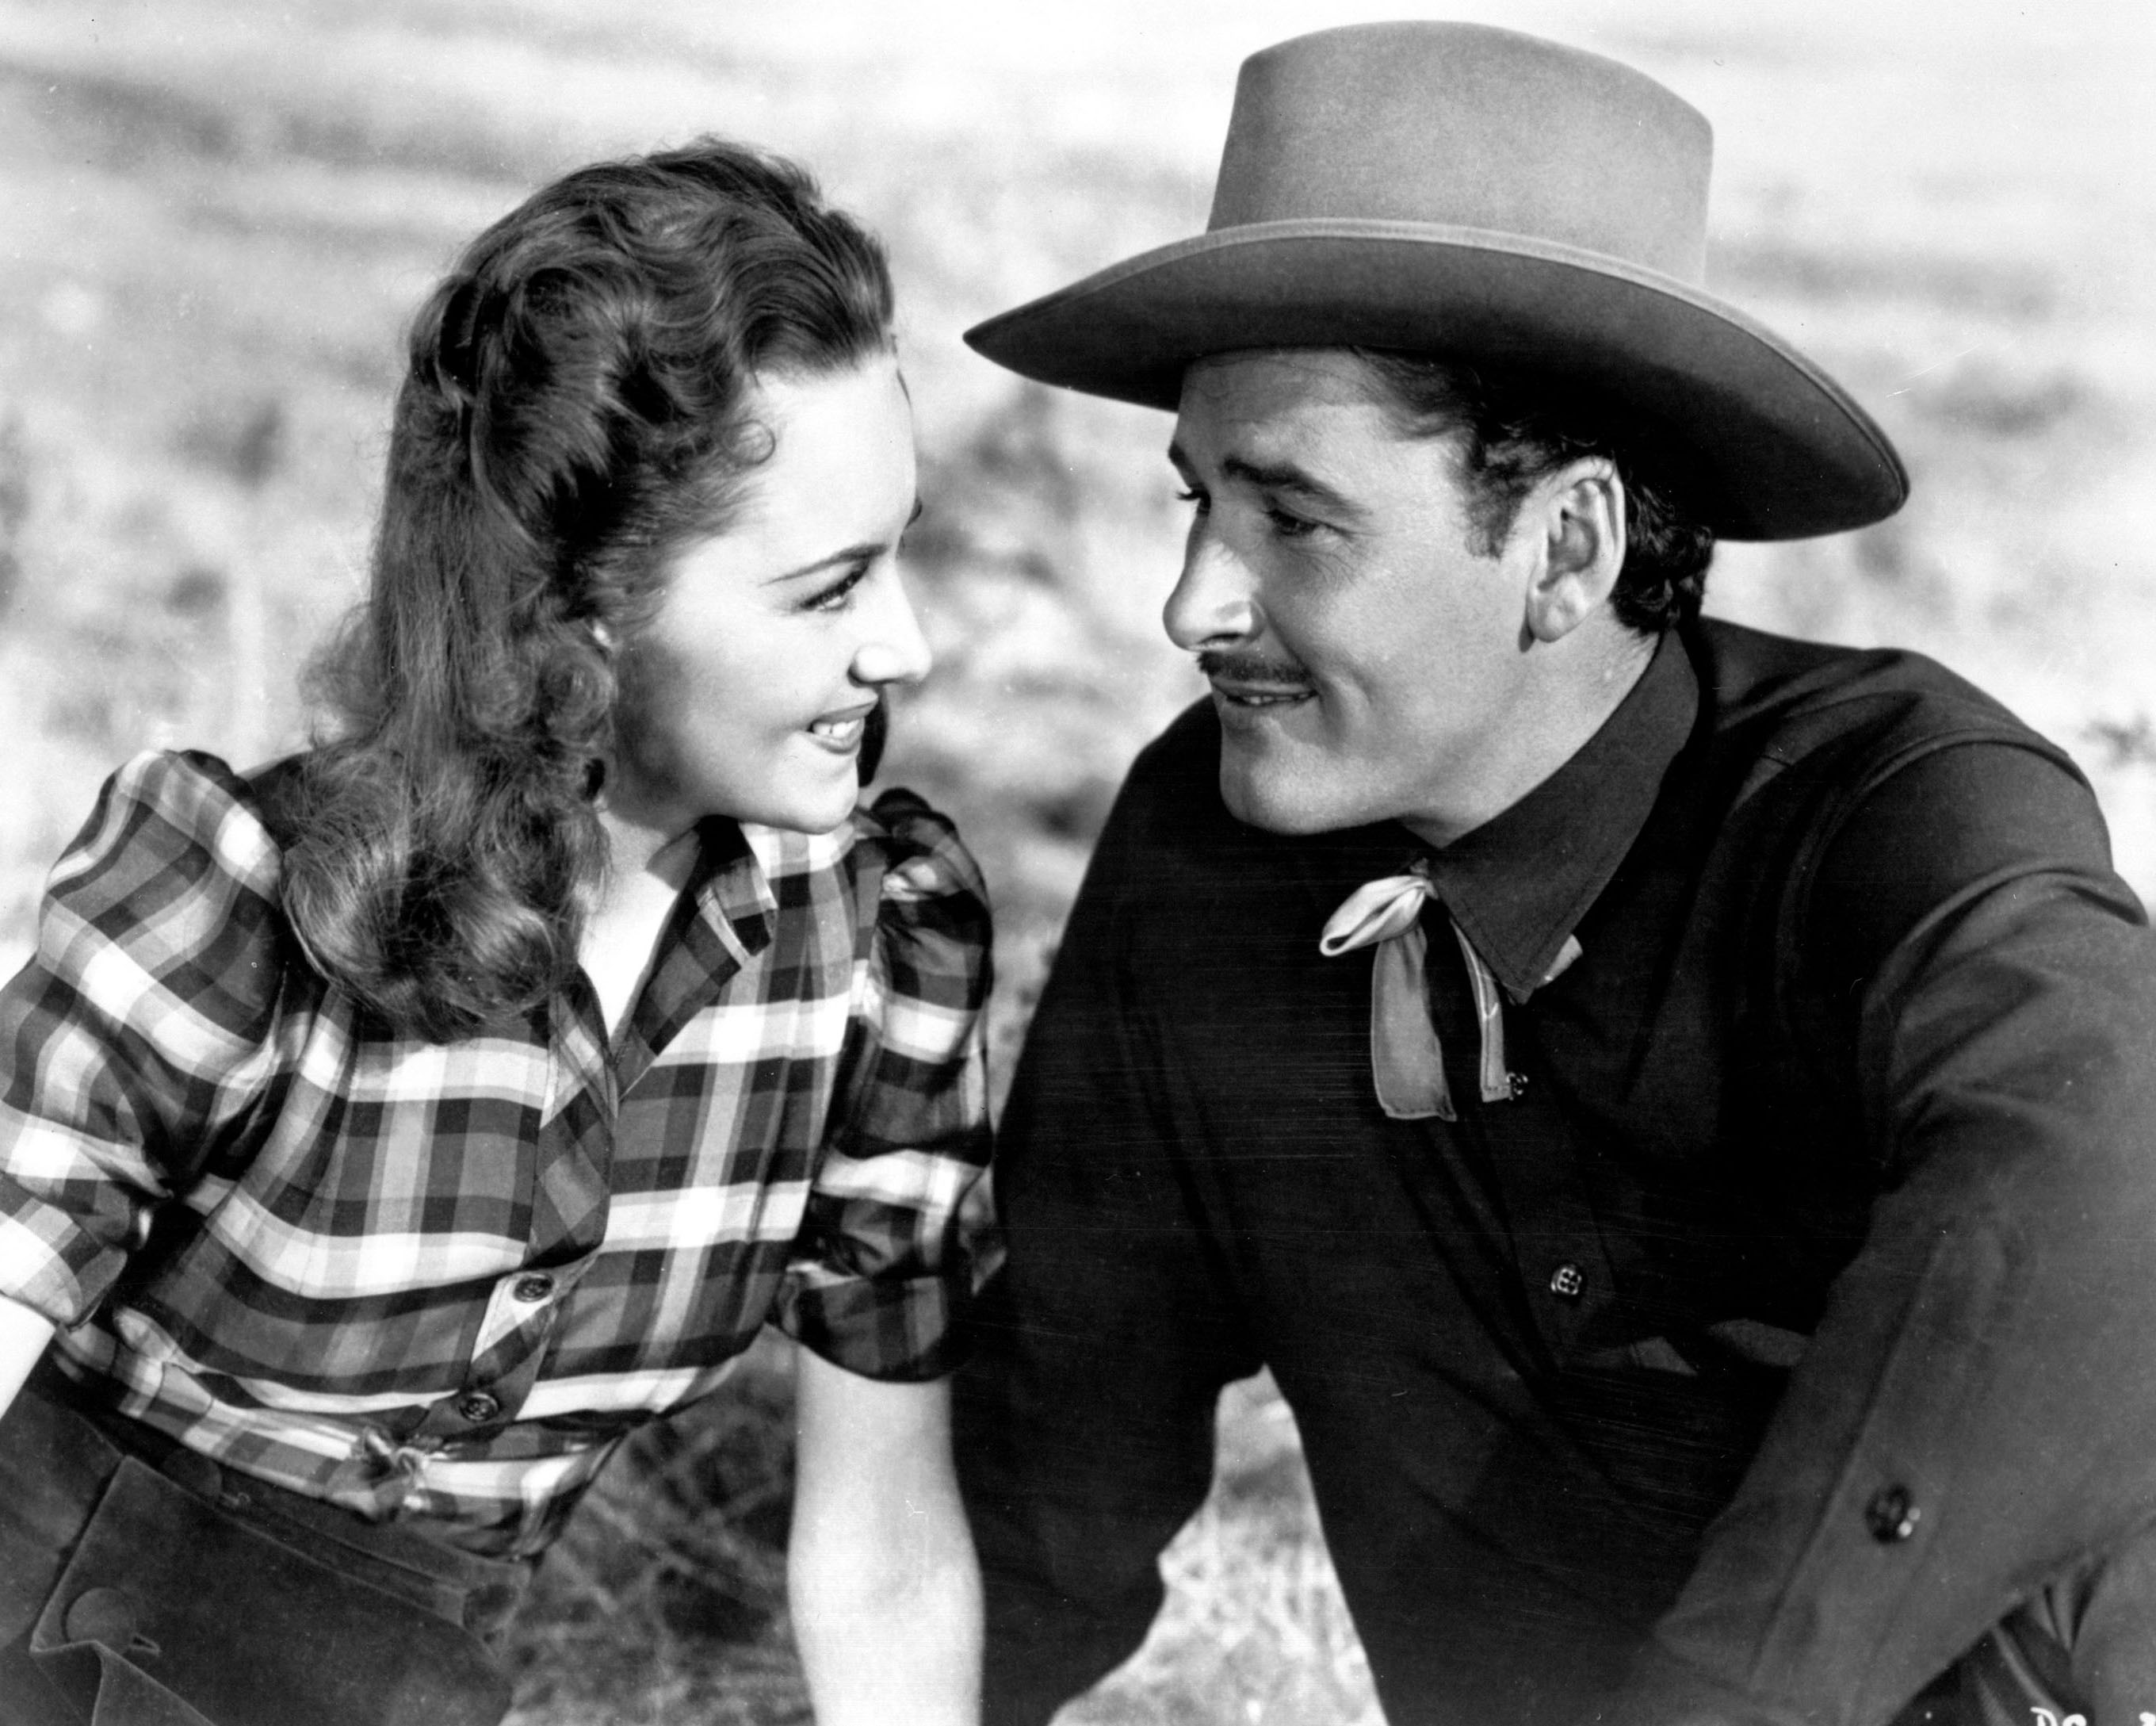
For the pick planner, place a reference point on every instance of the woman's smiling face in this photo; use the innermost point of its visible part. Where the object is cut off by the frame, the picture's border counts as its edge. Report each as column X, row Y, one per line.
column 748, row 692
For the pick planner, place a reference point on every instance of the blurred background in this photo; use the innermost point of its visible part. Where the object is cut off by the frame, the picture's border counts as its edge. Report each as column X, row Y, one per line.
column 221, row 211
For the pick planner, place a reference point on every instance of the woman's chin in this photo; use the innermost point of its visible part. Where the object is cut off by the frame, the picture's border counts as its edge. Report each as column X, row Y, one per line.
column 812, row 812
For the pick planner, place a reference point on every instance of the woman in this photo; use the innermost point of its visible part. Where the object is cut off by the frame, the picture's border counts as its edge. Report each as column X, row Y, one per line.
column 389, row 1131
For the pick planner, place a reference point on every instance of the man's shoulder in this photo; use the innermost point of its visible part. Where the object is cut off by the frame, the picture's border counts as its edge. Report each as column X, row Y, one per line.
column 1878, row 778
column 1788, row 702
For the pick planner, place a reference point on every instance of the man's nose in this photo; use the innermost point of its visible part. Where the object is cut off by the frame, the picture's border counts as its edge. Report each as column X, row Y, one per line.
column 892, row 649
column 1213, row 603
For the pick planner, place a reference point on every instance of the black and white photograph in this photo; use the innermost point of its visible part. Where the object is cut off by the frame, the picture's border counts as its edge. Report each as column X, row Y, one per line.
column 1269, row 863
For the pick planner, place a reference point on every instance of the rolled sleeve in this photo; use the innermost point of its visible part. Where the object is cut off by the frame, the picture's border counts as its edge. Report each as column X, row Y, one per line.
column 1972, row 1415
column 130, row 1034
column 900, row 1231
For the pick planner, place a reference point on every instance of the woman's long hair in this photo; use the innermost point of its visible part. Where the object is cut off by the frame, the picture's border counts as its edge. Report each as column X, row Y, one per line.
column 578, row 405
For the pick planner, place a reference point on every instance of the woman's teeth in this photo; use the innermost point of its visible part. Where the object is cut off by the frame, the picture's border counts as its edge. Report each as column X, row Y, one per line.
column 841, row 731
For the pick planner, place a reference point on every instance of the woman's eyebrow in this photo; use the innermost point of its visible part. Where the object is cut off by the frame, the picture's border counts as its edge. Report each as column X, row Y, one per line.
column 849, row 554
column 858, row 553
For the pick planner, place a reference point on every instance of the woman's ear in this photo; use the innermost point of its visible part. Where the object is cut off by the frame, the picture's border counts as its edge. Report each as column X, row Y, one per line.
column 1577, row 516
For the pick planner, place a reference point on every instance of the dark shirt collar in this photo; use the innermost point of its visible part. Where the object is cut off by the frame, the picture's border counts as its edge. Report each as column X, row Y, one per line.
column 1519, row 884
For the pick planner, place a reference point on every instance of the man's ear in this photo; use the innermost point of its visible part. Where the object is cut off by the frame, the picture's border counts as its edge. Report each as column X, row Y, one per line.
column 1577, row 518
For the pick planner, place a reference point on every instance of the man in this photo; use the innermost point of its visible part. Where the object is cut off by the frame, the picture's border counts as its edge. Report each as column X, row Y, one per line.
column 1670, row 1106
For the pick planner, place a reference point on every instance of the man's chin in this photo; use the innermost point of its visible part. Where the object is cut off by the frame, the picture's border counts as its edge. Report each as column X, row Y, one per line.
column 1274, row 803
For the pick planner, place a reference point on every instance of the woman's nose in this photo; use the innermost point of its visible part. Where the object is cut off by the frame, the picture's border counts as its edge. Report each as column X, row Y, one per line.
column 892, row 649
column 1212, row 605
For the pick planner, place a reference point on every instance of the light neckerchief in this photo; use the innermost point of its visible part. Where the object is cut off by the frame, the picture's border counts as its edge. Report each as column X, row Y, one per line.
column 1406, row 1063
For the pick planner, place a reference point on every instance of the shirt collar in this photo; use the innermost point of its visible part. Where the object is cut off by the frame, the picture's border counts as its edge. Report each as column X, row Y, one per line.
column 729, row 886
column 1517, row 885
column 742, row 872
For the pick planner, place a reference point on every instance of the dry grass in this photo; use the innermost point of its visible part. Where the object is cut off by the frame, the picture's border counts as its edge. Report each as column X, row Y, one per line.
column 666, row 1601
column 219, row 214
column 1254, row 1631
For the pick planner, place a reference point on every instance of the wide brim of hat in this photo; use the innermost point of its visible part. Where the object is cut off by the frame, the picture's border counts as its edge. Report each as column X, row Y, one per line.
column 1781, row 450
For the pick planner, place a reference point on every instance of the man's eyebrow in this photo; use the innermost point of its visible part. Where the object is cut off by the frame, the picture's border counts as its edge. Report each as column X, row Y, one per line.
column 863, row 552
column 1286, row 477
column 1276, row 476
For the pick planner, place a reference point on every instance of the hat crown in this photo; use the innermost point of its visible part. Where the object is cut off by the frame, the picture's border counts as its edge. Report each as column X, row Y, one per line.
column 1465, row 126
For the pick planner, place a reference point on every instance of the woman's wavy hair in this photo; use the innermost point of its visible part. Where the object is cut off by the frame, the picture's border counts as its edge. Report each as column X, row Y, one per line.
column 1516, row 430
column 579, row 404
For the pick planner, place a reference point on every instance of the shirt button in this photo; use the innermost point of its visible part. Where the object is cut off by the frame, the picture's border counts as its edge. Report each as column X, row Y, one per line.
column 1892, row 1515
column 479, row 1408
column 1567, row 1282
column 533, row 1288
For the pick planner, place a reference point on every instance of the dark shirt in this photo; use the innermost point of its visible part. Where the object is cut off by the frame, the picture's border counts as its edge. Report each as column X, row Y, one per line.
column 1852, row 1077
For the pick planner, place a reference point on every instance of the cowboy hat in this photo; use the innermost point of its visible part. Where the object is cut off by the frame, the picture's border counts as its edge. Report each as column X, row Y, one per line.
column 1473, row 193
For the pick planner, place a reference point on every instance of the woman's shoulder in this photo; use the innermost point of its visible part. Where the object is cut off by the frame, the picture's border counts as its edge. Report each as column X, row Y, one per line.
column 922, row 858
column 174, row 876
column 896, row 867
column 920, row 888
column 176, row 811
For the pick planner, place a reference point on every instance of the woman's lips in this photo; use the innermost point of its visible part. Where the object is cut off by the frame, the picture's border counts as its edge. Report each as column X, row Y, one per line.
column 842, row 731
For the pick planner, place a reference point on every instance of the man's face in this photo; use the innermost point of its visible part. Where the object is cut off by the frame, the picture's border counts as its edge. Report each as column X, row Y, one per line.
column 1366, row 663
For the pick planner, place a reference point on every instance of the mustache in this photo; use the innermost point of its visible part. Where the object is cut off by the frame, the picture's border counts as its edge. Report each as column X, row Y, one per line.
column 1250, row 668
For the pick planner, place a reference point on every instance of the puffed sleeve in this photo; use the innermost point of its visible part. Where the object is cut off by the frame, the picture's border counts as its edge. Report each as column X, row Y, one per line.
column 138, row 1027
column 900, row 1231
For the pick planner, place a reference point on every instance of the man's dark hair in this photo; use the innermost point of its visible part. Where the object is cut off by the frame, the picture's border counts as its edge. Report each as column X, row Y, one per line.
column 1516, row 430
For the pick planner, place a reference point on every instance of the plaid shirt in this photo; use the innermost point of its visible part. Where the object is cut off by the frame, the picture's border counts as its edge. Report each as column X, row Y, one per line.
column 441, row 1279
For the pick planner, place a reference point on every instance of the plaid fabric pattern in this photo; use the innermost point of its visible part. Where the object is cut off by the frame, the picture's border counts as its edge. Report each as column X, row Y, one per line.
column 442, row 1279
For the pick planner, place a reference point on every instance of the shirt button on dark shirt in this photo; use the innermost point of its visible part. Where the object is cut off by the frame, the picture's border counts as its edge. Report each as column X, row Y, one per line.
column 1567, row 1282
column 480, row 1407
column 533, row 1288
column 1892, row 1515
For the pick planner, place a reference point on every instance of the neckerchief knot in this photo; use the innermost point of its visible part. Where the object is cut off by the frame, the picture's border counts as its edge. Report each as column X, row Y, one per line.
column 1407, row 1064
